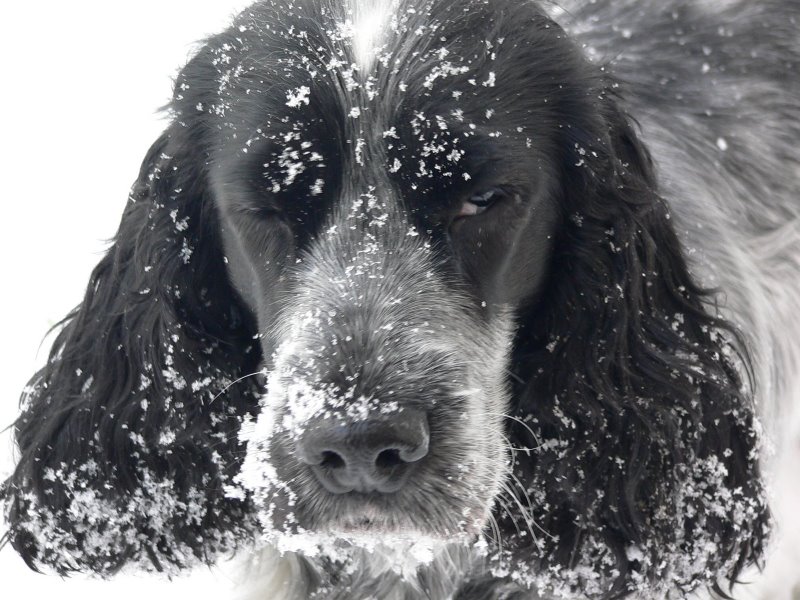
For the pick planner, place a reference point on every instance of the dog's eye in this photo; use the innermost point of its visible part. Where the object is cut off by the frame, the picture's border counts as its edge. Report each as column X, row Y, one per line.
column 479, row 203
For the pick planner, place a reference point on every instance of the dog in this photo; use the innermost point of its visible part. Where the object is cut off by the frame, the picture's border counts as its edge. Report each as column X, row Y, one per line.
column 465, row 299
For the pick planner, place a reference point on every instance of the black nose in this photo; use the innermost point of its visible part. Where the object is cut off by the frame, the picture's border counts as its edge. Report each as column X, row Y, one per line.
column 375, row 454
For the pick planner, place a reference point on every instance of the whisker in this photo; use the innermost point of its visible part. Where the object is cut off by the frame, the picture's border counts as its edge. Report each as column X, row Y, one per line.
column 498, row 540
column 235, row 381
column 514, row 376
column 525, row 512
column 529, row 511
column 525, row 425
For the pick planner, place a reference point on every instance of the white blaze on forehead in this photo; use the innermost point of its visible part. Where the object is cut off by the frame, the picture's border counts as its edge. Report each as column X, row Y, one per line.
column 371, row 20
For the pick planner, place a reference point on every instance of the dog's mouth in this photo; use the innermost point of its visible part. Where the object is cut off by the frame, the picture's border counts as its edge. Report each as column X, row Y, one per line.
column 392, row 538
column 376, row 522
column 365, row 523
column 368, row 520
column 390, row 545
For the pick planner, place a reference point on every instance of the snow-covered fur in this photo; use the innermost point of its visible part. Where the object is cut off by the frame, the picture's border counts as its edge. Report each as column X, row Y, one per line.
column 566, row 235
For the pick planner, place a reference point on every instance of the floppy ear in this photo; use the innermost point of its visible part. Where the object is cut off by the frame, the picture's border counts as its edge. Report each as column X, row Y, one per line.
column 128, row 434
column 643, row 467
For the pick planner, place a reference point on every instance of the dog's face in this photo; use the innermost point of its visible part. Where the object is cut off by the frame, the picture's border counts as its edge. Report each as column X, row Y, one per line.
column 434, row 228
column 388, row 203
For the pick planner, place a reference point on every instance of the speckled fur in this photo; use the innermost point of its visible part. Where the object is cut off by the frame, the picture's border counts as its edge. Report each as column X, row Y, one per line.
column 718, row 108
column 591, row 350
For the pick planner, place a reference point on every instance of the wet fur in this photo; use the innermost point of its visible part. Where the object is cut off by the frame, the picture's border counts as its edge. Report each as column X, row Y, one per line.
column 643, row 309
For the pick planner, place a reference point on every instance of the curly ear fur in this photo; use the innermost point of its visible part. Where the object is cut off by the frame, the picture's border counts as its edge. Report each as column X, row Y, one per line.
column 126, row 438
column 642, row 468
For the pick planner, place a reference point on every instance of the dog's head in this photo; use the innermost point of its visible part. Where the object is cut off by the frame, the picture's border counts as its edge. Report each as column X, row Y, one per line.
column 433, row 228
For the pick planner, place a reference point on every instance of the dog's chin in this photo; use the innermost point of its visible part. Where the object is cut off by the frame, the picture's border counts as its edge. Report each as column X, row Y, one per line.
column 367, row 523
column 378, row 528
column 388, row 524
column 385, row 548
column 374, row 532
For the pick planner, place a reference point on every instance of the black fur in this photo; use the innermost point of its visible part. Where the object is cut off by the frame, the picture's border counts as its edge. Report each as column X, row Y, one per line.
column 149, row 320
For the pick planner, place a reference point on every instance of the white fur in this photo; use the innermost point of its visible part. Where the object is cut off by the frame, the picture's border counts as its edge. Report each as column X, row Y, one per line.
column 371, row 21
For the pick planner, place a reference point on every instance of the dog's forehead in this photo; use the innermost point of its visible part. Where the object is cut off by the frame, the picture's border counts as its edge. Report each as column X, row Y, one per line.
column 372, row 21
column 316, row 103
column 360, row 65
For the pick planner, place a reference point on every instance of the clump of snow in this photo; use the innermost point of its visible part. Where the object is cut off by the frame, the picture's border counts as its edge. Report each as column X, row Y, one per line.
column 298, row 97
column 96, row 527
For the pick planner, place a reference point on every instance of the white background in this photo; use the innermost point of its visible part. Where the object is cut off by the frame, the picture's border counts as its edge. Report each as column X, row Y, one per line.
column 81, row 82
column 81, row 85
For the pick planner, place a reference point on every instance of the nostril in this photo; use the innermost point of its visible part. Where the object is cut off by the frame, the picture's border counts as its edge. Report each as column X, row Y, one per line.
column 370, row 455
column 416, row 452
column 332, row 460
column 388, row 459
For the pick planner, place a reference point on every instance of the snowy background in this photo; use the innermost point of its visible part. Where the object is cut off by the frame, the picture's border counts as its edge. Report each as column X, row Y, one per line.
column 82, row 82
